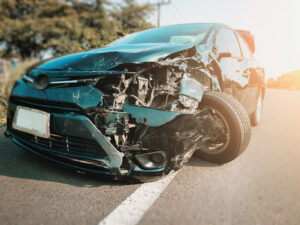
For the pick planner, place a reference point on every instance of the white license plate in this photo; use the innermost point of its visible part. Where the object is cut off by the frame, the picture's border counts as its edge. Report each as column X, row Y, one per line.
column 32, row 121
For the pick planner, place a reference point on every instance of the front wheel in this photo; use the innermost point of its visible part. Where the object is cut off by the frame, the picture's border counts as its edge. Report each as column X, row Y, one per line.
column 235, row 125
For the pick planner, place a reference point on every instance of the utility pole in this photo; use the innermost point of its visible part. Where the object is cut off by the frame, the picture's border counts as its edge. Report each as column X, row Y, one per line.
column 158, row 6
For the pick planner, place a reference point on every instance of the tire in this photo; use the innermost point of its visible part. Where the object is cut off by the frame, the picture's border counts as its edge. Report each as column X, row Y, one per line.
column 237, row 124
column 243, row 115
column 255, row 117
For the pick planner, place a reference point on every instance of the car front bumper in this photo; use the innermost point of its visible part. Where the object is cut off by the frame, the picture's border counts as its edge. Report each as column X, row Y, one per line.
column 75, row 140
column 77, row 143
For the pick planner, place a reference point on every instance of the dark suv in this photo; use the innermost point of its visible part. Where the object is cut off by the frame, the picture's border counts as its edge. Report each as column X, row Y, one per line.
column 142, row 106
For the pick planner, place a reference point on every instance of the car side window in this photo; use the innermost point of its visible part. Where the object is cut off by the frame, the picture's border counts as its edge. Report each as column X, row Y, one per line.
column 226, row 42
column 245, row 49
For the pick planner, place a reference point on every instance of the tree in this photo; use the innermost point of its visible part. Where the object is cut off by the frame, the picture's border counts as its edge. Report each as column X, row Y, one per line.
column 290, row 81
column 29, row 26
column 131, row 17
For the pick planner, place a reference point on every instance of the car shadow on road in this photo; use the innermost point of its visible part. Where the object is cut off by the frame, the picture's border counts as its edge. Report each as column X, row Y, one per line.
column 16, row 162
column 196, row 162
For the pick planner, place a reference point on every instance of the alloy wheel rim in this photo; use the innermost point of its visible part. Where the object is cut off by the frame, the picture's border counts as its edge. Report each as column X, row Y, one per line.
column 216, row 148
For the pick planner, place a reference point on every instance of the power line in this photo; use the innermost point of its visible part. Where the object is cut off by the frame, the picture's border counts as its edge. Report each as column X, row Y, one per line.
column 179, row 13
column 158, row 6
column 176, row 15
column 164, row 19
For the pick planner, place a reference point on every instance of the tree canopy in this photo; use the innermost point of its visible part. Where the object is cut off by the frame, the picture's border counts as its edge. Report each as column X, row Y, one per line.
column 30, row 26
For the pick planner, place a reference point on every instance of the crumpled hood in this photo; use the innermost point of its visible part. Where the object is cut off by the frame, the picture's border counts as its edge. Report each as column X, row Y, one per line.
column 109, row 57
column 135, row 53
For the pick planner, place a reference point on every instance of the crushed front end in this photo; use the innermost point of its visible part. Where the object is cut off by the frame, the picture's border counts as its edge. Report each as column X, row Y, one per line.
column 137, row 120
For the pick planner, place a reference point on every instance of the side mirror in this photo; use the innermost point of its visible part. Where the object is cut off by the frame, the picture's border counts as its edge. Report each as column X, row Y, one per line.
column 224, row 55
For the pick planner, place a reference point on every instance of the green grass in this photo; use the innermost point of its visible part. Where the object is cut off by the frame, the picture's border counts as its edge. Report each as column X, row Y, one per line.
column 2, row 115
column 6, row 86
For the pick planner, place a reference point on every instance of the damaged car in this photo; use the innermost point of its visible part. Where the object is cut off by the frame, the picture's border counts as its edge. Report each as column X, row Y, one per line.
column 140, row 107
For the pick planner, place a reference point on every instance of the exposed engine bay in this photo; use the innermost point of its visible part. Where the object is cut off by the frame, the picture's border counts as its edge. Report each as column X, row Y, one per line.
column 175, row 85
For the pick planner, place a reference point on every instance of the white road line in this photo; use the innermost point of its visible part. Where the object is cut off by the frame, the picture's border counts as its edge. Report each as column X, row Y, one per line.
column 132, row 209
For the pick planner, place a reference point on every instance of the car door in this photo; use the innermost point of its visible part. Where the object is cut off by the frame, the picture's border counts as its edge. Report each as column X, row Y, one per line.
column 250, row 69
column 232, row 65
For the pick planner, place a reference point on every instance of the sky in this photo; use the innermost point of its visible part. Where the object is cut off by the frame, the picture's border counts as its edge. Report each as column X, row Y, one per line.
column 274, row 23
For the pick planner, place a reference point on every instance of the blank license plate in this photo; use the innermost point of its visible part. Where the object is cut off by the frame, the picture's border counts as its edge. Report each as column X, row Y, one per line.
column 32, row 121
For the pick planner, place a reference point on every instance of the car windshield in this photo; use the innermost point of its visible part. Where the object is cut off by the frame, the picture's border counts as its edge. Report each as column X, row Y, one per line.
column 183, row 34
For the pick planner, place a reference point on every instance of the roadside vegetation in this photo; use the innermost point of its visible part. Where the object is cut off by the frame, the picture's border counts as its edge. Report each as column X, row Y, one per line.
column 33, row 28
column 7, row 80
column 289, row 81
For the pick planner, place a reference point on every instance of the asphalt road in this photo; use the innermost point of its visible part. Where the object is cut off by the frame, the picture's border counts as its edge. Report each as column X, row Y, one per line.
column 262, row 186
